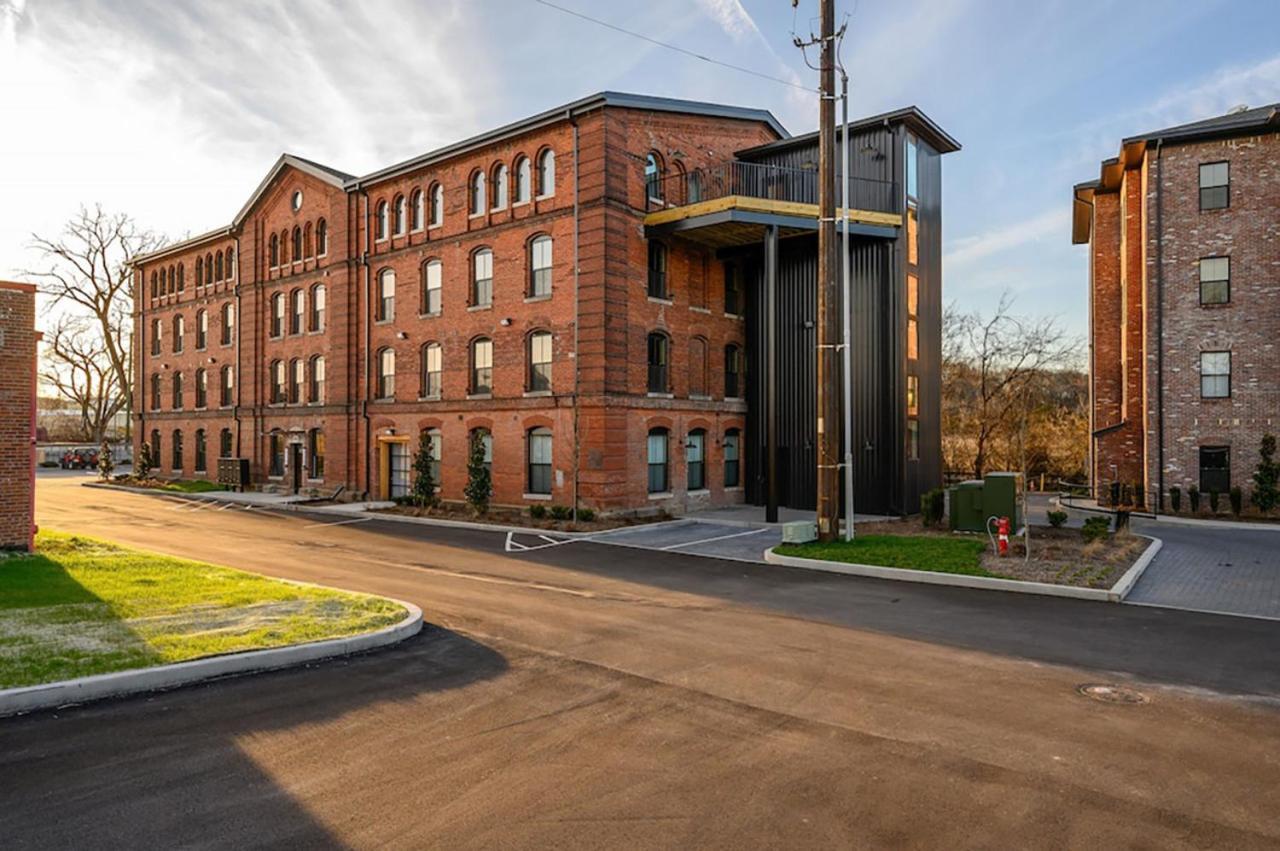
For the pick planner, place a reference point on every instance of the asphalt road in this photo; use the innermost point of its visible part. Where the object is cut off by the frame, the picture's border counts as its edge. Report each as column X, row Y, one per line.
column 591, row 696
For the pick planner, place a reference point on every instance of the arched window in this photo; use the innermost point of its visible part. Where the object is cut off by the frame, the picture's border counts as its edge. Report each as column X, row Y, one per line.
column 499, row 186
column 228, row 323
column 155, row 391
column 155, row 447
column 177, row 391
column 539, row 452
column 157, row 335
column 177, row 450
column 317, row 307
column 231, row 264
column 432, row 282
column 477, row 194
column 658, row 270
column 431, row 368
column 322, row 238
column 277, row 381
column 437, row 205
column 524, row 180
column 659, row 480
column 697, row 367
column 482, row 278
column 732, row 371
column 226, row 448
column 308, row 244
column 417, row 210
column 485, row 439
column 227, row 387
column 386, row 374
column 296, row 378
column 275, row 251
column 297, row 308
column 546, row 173
column 275, row 454
column 201, row 464
column 380, row 221
column 434, row 454
column 217, row 265
column 199, row 271
column 398, row 216
column 540, row 266
column 315, row 391
column 173, row 280
column 277, row 315
column 202, row 388
column 732, row 464
column 659, row 363
column 481, row 366
column 386, row 295
column 296, row 253
column 315, row 454
column 208, row 266
column 653, row 171
column 182, row 277
column 695, row 449
column 540, row 361
column 155, row 285
column 202, row 329
column 179, row 336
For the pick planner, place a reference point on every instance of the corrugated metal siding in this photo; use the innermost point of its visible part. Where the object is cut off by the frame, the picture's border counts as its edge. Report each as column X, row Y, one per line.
column 871, row 158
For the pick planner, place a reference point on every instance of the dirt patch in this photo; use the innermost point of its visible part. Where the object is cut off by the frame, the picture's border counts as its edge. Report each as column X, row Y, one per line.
column 518, row 517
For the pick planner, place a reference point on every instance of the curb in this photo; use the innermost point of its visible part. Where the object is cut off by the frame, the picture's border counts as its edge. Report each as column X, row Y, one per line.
column 1218, row 524
column 1114, row 594
column 15, row 701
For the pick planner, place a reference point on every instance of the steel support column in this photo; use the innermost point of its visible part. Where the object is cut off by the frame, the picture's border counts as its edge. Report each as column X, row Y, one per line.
column 771, row 372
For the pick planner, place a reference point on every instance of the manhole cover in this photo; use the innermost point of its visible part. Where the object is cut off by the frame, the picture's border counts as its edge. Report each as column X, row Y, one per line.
column 1106, row 693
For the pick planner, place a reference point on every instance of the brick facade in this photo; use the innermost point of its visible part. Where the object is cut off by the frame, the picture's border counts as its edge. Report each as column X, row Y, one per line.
column 18, row 339
column 1147, row 237
column 599, row 315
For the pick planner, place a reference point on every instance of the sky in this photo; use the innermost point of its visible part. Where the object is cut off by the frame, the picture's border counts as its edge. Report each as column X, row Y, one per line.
column 173, row 111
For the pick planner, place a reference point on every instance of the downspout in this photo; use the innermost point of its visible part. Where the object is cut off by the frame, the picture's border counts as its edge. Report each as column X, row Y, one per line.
column 1159, row 329
column 363, row 295
column 846, row 292
column 236, row 351
column 577, row 401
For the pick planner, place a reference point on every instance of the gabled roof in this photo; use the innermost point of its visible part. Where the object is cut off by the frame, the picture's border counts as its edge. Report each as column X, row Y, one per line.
column 181, row 245
column 1231, row 124
column 912, row 116
column 331, row 176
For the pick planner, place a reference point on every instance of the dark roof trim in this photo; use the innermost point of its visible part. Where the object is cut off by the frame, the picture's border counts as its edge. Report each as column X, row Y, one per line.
column 569, row 110
column 1222, row 126
column 183, row 245
column 912, row 116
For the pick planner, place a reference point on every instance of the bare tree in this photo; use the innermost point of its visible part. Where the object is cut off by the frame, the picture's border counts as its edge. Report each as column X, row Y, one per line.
column 77, row 366
column 87, row 266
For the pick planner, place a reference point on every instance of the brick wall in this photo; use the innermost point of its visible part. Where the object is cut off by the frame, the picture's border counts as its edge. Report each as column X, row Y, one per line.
column 18, row 340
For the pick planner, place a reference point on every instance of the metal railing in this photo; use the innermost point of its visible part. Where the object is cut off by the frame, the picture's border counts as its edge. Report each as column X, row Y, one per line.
column 760, row 180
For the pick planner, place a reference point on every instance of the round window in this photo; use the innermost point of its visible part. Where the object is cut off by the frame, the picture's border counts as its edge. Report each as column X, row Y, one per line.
column 297, row 200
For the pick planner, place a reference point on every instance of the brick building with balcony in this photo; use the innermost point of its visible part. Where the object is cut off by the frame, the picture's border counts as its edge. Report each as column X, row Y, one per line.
column 1184, row 248
column 582, row 290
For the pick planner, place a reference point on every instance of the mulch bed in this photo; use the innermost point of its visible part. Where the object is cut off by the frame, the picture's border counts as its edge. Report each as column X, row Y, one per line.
column 518, row 517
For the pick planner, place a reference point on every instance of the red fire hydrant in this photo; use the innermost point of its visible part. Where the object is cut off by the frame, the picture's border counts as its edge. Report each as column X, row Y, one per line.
column 1002, row 532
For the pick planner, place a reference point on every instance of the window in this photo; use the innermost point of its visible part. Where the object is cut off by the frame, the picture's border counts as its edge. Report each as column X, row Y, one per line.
column 540, row 361
column 157, row 334
column 434, row 447
column 227, row 386
column 155, row 447
column 386, row 373
column 284, row 249
column 277, row 381
column 277, row 315
column 199, row 274
column 225, row 447
column 202, row 329
column 499, row 187
column 322, row 238
column 177, row 450
column 1215, row 375
column 431, row 371
column 432, row 282
column 524, row 180
column 539, row 461
column 297, row 308
column 218, row 273
column 1215, row 469
column 202, row 462
column 913, row 324
column 315, row 391
column 380, row 222
column 182, row 282
column 913, row 234
column 155, row 391
column 202, row 388
column 1215, row 280
column 308, row 244
column 231, row 264
column 657, row 451
column 659, row 360
column 732, row 371
column 913, row 167
column 547, row 173
column 477, row 194
column 275, row 447
column 1215, row 186
column 177, row 391
column 732, row 289
column 482, row 366
column 228, row 323
column 482, row 278
column 296, row 253
column 317, row 307
column 653, row 178
column 296, row 378
column 437, row 205
column 296, row 200
column 697, row 368
column 398, row 220
column 913, row 440
column 179, row 329
column 315, row 454
column 732, row 465
column 275, row 251
column 540, row 266
column 657, row 270
column 913, row 396
column 386, row 295
column 694, row 458
column 417, row 210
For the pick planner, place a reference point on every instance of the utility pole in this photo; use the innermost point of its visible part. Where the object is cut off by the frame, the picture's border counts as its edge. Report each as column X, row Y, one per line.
column 828, row 329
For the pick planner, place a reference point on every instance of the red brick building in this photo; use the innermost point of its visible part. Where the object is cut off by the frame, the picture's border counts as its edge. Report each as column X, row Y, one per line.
column 502, row 288
column 18, row 339
column 1184, row 248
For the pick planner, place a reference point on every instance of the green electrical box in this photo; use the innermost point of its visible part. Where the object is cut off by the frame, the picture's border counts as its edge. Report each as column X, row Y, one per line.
column 1000, row 497
column 966, row 507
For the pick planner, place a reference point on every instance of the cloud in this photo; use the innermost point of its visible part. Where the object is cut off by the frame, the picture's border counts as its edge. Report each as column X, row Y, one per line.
column 1052, row 223
column 731, row 17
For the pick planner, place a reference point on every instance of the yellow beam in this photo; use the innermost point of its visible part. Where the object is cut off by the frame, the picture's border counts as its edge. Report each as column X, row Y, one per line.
column 765, row 205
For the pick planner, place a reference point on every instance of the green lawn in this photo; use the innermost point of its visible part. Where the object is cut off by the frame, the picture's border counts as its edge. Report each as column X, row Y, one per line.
column 81, row 606
column 919, row 552
column 193, row 486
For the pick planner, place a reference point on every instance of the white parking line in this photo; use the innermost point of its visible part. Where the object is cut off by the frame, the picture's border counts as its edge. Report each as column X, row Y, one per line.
column 716, row 538
column 514, row 546
column 339, row 522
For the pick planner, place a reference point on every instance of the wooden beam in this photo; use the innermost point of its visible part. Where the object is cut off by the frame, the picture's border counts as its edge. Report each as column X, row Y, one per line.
column 765, row 205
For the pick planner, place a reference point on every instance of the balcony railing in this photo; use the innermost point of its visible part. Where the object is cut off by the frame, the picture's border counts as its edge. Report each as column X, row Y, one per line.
column 759, row 180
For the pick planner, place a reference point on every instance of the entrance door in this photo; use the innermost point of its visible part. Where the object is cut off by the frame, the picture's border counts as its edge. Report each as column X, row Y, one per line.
column 398, row 469
column 295, row 466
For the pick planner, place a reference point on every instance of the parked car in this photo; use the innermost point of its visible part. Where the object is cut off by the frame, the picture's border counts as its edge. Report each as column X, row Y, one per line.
column 79, row 459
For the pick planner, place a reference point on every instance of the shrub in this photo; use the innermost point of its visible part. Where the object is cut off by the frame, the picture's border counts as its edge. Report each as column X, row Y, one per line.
column 586, row 515
column 931, row 506
column 1237, row 500
column 424, row 484
column 1126, row 495
column 1139, row 494
column 145, row 462
column 1175, row 497
column 1213, row 501
column 561, row 512
column 1057, row 519
column 479, row 483
column 1193, row 496
column 105, row 463
column 1095, row 529
column 537, row 512
column 1266, row 479
column 1115, row 493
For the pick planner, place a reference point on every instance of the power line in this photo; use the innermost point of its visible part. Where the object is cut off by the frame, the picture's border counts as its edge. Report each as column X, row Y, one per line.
column 686, row 52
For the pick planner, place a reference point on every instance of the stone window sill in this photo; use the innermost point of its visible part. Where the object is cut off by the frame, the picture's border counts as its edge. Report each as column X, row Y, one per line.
column 541, row 497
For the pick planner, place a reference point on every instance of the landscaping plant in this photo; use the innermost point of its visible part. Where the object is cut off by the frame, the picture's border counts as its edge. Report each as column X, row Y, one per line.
column 1193, row 494
column 1175, row 497
column 561, row 512
column 586, row 515
column 1139, row 494
column 537, row 512
column 931, row 506
column 479, row 482
column 1095, row 529
column 1057, row 519
column 105, row 464
column 146, row 461
column 1213, row 501
column 424, row 484
column 1237, row 500
column 1266, row 479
